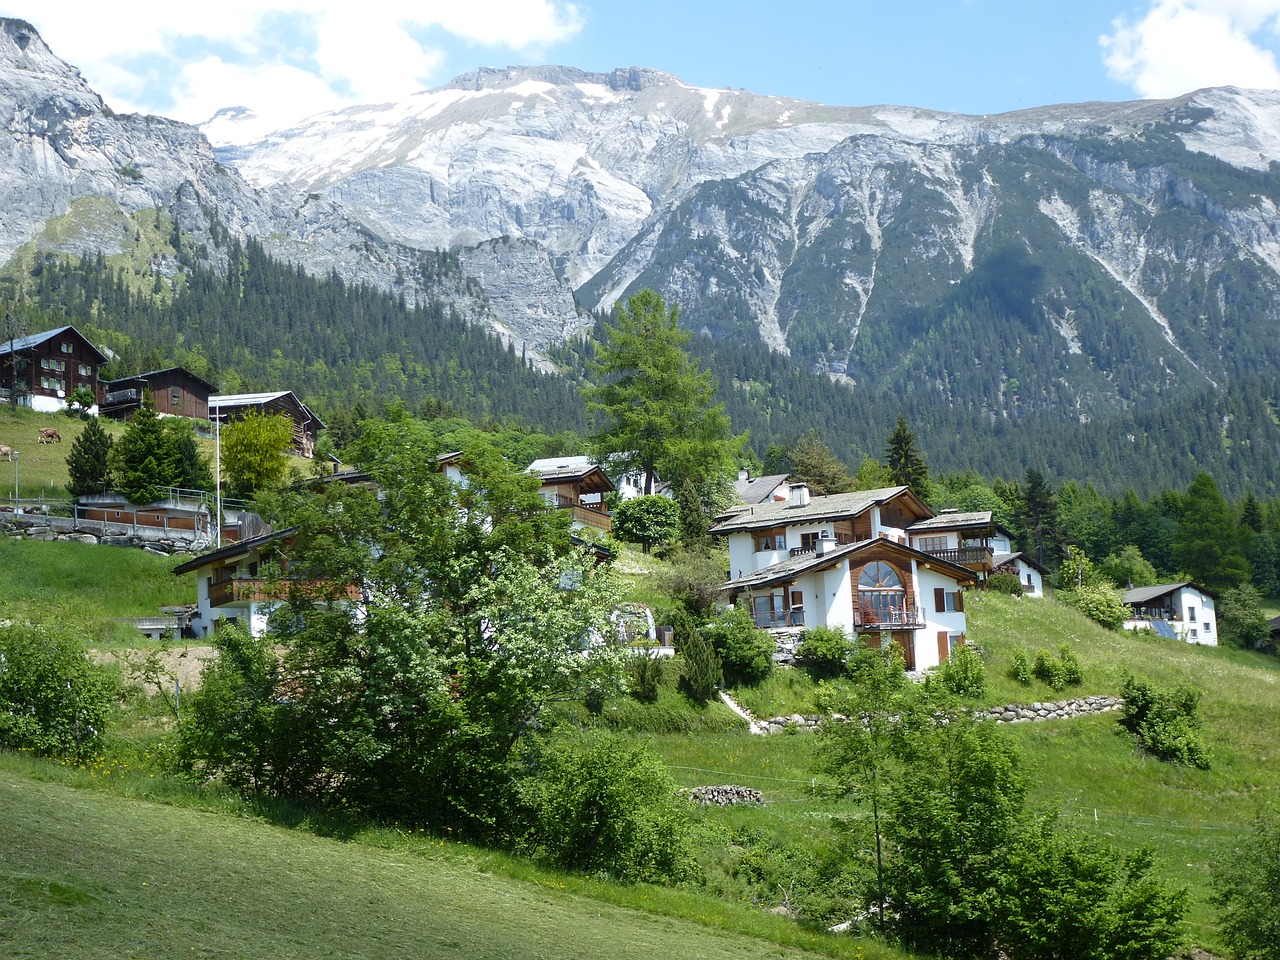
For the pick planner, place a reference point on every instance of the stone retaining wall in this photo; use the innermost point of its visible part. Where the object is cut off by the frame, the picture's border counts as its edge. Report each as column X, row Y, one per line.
column 1010, row 713
column 40, row 527
column 723, row 796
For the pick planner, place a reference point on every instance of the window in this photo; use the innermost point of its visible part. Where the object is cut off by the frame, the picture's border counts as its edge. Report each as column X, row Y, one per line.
column 67, row 347
column 931, row 544
column 951, row 601
column 1193, row 633
column 83, row 370
column 1191, row 614
column 1208, row 627
column 771, row 540
column 880, row 593
column 44, row 363
column 175, row 398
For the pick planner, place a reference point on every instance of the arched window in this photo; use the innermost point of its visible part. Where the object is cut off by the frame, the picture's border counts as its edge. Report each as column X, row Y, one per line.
column 881, row 595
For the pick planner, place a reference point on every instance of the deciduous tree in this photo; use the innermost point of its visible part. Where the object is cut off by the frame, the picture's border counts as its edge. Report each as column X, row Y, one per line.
column 658, row 409
column 255, row 452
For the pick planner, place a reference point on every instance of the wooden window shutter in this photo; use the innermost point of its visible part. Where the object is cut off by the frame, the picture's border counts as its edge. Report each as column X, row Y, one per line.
column 944, row 649
column 939, row 599
column 960, row 601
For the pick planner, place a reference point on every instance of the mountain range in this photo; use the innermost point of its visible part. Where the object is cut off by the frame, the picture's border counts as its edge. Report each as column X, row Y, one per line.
column 1093, row 263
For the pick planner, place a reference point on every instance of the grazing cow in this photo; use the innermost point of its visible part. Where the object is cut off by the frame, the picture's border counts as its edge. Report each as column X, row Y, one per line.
column 49, row 435
column 6, row 452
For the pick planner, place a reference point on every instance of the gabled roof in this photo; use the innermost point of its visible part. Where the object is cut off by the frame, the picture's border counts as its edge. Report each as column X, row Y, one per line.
column 571, row 470
column 759, row 489
column 1143, row 595
column 35, row 339
column 835, row 506
column 786, row 571
column 241, row 548
column 233, row 400
column 156, row 373
column 1000, row 559
column 953, row 521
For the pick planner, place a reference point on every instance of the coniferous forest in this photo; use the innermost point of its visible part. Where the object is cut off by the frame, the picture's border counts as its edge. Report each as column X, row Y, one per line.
column 348, row 349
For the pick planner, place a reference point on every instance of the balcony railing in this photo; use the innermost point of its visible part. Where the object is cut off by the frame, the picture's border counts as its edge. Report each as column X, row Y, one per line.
column 591, row 518
column 256, row 589
column 840, row 540
column 966, row 556
column 776, row 619
column 888, row 618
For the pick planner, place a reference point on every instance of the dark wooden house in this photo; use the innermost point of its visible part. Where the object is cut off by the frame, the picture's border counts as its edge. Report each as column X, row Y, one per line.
column 306, row 425
column 46, row 368
column 175, row 392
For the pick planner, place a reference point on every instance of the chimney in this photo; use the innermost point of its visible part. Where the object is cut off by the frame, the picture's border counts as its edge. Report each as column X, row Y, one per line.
column 823, row 545
column 743, row 474
column 799, row 495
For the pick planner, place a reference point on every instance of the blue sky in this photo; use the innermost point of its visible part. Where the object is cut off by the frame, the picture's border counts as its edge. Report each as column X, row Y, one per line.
column 289, row 58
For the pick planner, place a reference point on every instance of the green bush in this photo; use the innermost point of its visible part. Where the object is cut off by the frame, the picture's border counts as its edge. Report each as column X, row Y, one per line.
column 825, row 652
column 963, row 673
column 1047, row 669
column 646, row 678
column 1005, row 582
column 746, row 653
column 613, row 810
column 1020, row 667
column 1165, row 724
column 53, row 700
column 1247, row 886
column 1100, row 603
column 1058, row 672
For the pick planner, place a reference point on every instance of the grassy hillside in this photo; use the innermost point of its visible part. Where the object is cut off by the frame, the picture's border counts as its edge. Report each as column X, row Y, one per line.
column 81, row 588
column 42, row 467
column 90, row 875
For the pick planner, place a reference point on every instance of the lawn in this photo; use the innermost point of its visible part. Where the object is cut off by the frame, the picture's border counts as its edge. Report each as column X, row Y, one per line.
column 81, row 588
column 87, row 874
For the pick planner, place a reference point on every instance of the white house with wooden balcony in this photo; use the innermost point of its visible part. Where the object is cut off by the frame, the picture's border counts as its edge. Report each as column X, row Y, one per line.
column 969, row 539
column 846, row 561
column 232, row 584
column 578, row 485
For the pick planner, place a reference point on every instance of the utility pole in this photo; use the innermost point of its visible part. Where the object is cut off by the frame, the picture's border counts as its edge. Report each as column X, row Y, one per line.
column 12, row 332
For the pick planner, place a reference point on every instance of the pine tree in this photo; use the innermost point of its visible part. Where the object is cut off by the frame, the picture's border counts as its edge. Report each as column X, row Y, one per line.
column 89, row 462
column 1206, row 543
column 144, row 457
column 1036, row 518
column 906, row 466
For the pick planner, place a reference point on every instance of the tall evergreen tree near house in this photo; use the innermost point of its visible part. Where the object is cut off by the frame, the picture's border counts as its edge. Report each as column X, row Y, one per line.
column 1036, row 518
column 656, row 404
column 814, row 463
column 1206, row 542
column 906, row 465
column 89, row 462
column 145, row 459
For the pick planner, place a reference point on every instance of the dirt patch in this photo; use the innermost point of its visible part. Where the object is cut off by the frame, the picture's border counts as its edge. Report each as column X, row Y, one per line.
column 182, row 663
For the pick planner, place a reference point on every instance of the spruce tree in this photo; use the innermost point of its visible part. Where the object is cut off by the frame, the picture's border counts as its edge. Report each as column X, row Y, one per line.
column 1206, row 542
column 89, row 462
column 906, row 466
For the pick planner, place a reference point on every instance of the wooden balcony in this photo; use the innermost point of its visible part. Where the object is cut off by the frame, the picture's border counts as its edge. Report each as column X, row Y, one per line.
column 246, row 590
column 975, row 558
column 591, row 518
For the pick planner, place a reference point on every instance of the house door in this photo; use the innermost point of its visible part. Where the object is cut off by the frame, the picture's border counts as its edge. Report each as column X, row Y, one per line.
column 907, row 644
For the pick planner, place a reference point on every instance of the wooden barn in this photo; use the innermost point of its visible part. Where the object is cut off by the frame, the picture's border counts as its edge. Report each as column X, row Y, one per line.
column 306, row 425
column 175, row 392
column 48, row 367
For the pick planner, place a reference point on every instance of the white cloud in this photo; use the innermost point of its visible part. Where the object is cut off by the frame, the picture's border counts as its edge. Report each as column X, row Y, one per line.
column 1182, row 45
column 283, row 58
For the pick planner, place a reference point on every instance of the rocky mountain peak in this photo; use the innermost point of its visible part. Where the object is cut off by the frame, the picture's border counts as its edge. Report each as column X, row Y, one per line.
column 620, row 78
